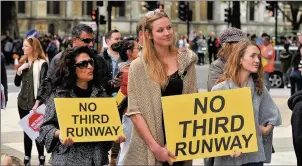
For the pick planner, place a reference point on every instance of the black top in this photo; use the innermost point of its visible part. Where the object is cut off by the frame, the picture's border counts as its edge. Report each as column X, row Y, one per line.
column 174, row 87
column 79, row 92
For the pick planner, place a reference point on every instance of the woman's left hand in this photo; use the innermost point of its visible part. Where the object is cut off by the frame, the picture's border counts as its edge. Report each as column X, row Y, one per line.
column 265, row 130
column 120, row 139
column 35, row 106
column 236, row 154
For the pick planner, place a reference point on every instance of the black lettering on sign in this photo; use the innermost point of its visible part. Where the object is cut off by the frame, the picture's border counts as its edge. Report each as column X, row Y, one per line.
column 185, row 127
column 191, row 150
column 236, row 142
column 91, row 107
column 223, row 143
column 197, row 104
column 201, row 127
column 180, row 147
column 205, row 144
column 247, row 140
column 240, row 118
column 74, row 118
column 212, row 104
column 105, row 118
column 115, row 129
column 221, row 125
column 70, row 132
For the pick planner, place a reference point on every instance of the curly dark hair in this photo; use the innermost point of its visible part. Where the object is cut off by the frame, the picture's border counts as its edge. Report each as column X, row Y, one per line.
column 122, row 47
column 66, row 77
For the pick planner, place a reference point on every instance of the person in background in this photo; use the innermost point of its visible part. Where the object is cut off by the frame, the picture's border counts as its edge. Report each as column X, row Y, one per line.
column 82, row 35
column 212, row 49
column 4, row 78
column 295, row 104
column 201, row 48
column 268, row 55
column 128, row 50
column 31, row 74
column 182, row 42
column 161, row 70
column 228, row 38
column 285, row 57
column 295, row 74
column 77, row 76
column 139, row 33
column 244, row 69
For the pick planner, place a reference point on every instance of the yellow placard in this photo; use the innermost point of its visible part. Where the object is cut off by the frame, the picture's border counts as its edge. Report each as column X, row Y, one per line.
column 119, row 97
column 209, row 124
column 88, row 119
column 264, row 61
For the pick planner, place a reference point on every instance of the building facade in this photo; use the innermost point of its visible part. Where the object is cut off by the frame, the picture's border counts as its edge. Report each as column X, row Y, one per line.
column 58, row 17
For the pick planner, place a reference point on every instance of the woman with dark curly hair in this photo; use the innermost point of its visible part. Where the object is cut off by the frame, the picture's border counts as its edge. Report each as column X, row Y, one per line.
column 77, row 76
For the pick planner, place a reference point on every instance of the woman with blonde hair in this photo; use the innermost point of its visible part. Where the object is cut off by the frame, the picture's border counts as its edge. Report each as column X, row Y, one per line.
column 244, row 69
column 31, row 73
column 162, row 70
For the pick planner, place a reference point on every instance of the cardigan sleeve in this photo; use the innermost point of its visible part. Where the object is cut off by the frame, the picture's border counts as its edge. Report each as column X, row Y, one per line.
column 49, row 127
column 268, row 111
column 133, row 107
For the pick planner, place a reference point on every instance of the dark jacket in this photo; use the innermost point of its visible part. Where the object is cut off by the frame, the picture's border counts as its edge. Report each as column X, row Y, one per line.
column 4, row 76
column 215, row 72
column 295, row 104
column 79, row 153
column 109, row 69
column 26, row 99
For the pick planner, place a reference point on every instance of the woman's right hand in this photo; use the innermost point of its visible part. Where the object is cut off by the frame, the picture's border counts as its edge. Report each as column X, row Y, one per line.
column 23, row 66
column 67, row 141
column 163, row 154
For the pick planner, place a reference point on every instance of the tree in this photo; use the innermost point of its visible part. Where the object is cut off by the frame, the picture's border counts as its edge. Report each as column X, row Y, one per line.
column 9, row 23
column 296, row 16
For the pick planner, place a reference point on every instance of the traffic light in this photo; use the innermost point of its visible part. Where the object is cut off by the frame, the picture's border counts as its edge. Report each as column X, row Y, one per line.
column 94, row 16
column 270, row 6
column 227, row 15
column 184, row 13
column 182, row 10
column 151, row 5
column 102, row 20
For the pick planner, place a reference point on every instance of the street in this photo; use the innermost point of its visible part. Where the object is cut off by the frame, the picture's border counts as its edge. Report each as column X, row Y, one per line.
column 12, row 135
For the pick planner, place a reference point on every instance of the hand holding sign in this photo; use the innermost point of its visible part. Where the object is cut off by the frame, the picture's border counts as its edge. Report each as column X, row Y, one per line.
column 67, row 141
column 163, row 154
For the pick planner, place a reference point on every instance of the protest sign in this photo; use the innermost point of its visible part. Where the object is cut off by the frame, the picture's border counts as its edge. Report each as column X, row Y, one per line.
column 88, row 119
column 209, row 124
column 31, row 123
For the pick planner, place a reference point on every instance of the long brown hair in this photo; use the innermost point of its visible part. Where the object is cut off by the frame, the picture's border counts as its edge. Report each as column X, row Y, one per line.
column 155, row 67
column 226, row 49
column 233, row 66
column 37, row 49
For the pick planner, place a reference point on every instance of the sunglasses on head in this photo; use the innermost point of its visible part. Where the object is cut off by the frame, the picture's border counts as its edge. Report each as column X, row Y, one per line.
column 87, row 40
column 152, row 13
column 84, row 64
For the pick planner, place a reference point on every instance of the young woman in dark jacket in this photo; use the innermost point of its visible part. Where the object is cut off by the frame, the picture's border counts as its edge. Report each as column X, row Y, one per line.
column 77, row 76
column 295, row 76
column 31, row 74
column 295, row 104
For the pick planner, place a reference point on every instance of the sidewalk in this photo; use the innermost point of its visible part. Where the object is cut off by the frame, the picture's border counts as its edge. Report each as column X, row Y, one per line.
column 12, row 134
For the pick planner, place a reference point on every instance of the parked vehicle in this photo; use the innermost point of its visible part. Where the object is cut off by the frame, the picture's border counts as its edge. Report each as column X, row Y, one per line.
column 276, row 78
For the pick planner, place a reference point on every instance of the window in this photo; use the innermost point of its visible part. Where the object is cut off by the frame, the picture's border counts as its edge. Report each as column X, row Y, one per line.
column 53, row 7
column 210, row 10
column 21, row 7
column 252, row 11
column 118, row 9
column 89, row 6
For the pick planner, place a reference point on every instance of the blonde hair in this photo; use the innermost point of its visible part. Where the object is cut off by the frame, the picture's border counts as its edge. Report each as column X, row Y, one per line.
column 156, row 68
column 233, row 66
column 37, row 49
